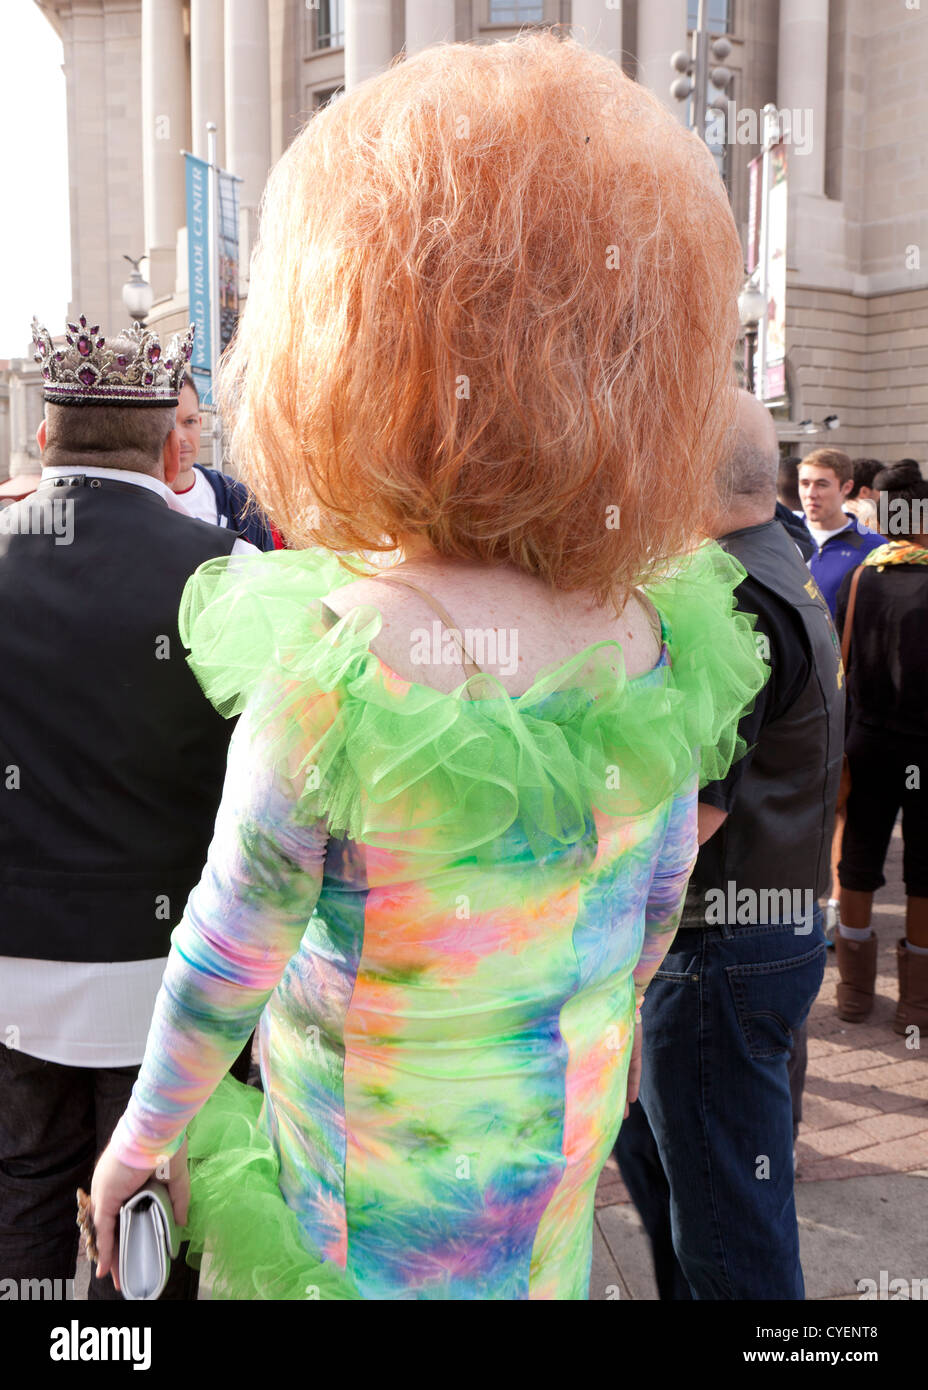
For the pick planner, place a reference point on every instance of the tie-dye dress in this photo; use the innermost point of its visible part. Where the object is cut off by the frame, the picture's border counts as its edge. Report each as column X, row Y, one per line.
column 439, row 911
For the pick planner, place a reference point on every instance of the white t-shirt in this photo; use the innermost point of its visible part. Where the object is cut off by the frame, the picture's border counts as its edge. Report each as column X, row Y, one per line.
column 79, row 1013
column 820, row 537
column 200, row 500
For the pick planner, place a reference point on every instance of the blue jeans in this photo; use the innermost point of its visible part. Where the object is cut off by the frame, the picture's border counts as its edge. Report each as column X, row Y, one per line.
column 719, row 1019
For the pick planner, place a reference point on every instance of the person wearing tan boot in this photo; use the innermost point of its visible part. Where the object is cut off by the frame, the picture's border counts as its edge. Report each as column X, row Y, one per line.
column 887, row 749
column 912, row 1009
column 856, row 957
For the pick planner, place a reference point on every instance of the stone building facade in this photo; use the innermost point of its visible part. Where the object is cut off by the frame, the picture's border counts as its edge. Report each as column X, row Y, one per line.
column 21, row 410
column 144, row 77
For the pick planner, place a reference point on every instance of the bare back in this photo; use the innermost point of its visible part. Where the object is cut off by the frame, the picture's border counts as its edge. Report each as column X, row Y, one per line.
column 511, row 623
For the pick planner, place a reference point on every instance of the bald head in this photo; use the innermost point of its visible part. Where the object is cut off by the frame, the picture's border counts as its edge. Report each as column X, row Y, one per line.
column 746, row 479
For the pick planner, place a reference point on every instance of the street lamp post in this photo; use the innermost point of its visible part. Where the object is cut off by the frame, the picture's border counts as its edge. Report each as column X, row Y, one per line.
column 215, row 329
column 213, row 220
column 751, row 307
column 700, row 71
column 695, row 72
column 137, row 294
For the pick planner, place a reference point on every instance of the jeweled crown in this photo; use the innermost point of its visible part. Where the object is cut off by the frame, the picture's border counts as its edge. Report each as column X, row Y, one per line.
column 130, row 369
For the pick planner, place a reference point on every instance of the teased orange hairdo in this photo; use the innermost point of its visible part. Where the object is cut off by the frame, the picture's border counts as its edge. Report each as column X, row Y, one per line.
column 493, row 301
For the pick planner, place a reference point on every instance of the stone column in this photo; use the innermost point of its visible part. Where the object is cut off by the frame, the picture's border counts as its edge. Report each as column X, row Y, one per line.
column 368, row 39
column 248, row 110
column 427, row 24
column 661, row 31
column 164, row 133
column 27, row 408
column 207, row 80
column 599, row 26
column 817, row 235
column 802, row 89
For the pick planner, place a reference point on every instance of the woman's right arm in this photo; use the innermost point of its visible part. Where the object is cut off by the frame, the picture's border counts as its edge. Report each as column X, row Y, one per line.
column 242, row 925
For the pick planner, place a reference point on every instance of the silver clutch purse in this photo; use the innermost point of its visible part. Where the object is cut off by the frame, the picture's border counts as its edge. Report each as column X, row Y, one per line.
column 148, row 1242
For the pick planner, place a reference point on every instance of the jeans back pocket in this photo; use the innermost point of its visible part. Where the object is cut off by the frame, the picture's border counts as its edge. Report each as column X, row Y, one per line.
column 773, row 998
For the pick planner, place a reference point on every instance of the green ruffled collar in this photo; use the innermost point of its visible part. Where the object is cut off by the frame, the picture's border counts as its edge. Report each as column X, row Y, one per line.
column 401, row 765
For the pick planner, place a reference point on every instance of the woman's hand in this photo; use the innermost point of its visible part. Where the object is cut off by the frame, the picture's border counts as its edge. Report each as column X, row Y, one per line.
column 113, row 1183
column 634, row 1071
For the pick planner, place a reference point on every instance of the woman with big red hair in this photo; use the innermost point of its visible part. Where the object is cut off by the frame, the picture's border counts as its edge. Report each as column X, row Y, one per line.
column 482, row 378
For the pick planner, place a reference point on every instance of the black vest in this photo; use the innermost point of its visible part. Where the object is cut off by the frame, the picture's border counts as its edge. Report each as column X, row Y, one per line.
column 111, row 758
column 778, row 834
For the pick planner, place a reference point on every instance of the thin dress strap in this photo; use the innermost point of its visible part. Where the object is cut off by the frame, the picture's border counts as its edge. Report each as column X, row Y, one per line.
column 470, row 666
column 653, row 616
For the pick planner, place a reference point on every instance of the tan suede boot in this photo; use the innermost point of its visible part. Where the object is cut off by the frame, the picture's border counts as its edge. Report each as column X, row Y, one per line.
column 913, row 990
column 857, row 969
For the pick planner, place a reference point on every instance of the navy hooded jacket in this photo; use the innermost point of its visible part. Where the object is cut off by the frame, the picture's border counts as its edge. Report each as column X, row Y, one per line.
column 841, row 553
column 232, row 502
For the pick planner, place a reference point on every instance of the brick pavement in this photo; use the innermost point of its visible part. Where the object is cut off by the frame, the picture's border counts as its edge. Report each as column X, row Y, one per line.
column 865, row 1109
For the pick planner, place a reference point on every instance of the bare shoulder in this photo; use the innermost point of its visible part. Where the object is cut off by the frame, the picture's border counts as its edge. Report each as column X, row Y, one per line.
column 358, row 594
column 509, row 624
column 402, row 612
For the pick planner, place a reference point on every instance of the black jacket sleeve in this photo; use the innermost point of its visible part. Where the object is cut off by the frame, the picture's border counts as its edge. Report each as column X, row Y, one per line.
column 790, row 668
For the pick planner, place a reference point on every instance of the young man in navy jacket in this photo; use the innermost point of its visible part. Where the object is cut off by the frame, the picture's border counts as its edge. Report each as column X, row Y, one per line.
column 208, row 494
column 826, row 477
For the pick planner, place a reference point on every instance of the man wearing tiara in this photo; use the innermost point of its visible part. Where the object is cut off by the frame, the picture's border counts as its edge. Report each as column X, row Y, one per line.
column 111, row 768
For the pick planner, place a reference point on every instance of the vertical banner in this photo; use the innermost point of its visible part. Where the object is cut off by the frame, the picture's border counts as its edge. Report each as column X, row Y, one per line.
column 227, row 232
column 774, row 386
column 755, row 184
column 198, row 273
column 755, row 170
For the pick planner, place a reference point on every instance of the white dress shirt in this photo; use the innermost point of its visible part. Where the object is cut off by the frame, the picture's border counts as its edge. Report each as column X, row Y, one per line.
column 87, row 1013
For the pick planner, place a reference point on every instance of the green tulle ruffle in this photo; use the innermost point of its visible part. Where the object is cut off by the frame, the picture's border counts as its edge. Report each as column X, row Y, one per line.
column 238, row 1219
column 402, row 766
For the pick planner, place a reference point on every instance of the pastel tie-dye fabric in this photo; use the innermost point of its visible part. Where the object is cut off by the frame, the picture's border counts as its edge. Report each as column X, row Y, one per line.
column 440, row 912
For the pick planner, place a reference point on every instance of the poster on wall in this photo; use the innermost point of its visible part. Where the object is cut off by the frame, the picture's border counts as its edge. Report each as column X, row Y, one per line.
column 755, row 170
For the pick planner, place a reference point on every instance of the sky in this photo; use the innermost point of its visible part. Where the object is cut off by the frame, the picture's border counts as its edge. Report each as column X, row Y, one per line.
column 35, row 242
